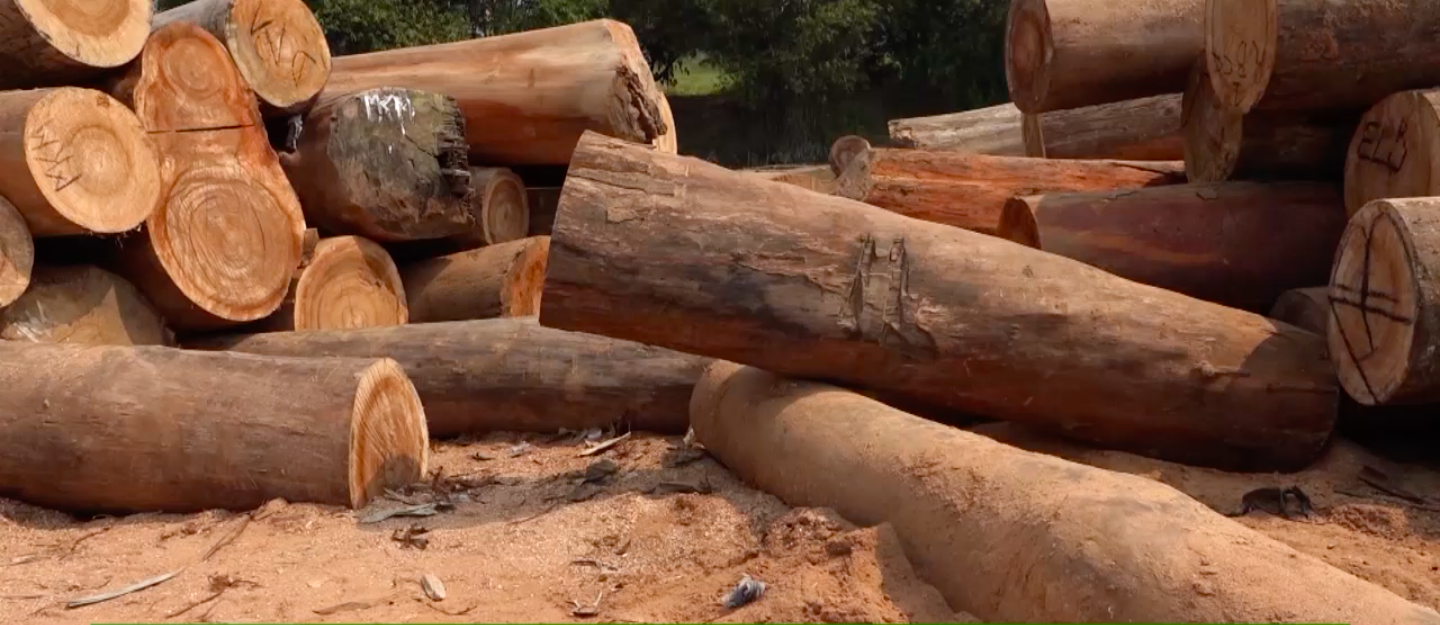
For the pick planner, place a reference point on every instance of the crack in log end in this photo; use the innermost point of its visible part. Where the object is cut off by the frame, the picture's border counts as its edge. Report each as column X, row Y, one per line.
column 886, row 291
column 634, row 112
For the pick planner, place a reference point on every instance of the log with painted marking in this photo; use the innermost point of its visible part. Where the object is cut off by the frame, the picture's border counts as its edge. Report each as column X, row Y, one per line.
column 1395, row 152
column 47, row 43
column 82, row 305
column 502, row 280
column 820, row 287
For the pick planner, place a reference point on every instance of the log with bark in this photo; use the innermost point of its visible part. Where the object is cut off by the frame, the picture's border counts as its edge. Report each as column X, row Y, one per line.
column 1240, row 244
column 146, row 429
column 502, row 280
column 1393, row 153
column 387, row 164
column 344, row 283
column 821, row 287
column 1307, row 309
column 277, row 45
column 75, row 161
column 1064, row 54
column 970, row 190
column 1093, row 545
column 45, row 43
column 992, row 130
column 17, row 254
column 1385, row 303
column 528, row 96
column 1261, row 145
column 510, row 374
column 220, row 249
column 1293, row 55
column 83, row 305
column 1145, row 129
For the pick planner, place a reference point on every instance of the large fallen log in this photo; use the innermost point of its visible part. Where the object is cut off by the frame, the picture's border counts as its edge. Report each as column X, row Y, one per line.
column 1262, row 145
column 1296, row 55
column 511, row 374
column 344, row 283
column 1394, row 151
column 17, row 254
column 1064, row 54
column 277, row 45
column 143, row 429
column 502, row 280
column 1240, row 244
column 387, row 164
column 75, row 162
column 45, row 43
column 220, row 249
column 528, row 96
column 1015, row 536
column 991, row 130
column 1145, row 129
column 970, row 190
column 82, row 305
column 824, row 288
column 1307, row 309
column 1385, row 300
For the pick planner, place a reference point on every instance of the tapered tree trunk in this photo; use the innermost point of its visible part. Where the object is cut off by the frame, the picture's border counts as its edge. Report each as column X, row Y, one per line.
column 1147, row 129
column 991, row 130
column 83, row 305
column 502, row 280
column 820, row 287
column 45, row 43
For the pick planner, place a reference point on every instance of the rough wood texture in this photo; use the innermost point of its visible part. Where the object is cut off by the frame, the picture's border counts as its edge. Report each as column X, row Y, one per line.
column 277, row 45
column 502, row 280
column 1307, row 309
column 75, row 161
column 675, row 252
column 83, row 305
column 992, row 130
column 143, row 429
column 1296, row 55
column 344, row 283
column 386, row 164
column 844, row 151
column 1146, row 129
column 818, row 178
column 528, row 96
column 504, row 207
column 1240, row 244
column 46, row 43
column 1385, row 303
column 1064, row 54
column 511, row 374
column 1262, row 145
column 17, row 254
column 221, row 248
column 543, row 203
column 1395, row 152
column 1094, row 545
column 970, row 190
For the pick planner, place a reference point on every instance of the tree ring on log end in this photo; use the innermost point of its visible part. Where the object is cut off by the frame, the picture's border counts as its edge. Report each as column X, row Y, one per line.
column 1018, row 223
column 389, row 438
column 844, row 151
column 1029, row 48
column 1212, row 134
column 504, row 209
column 1374, row 305
column 1390, row 154
column 350, row 283
column 228, row 244
column 95, row 33
column 1240, row 41
column 280, row 49
column 91, row 160
column 17, row 254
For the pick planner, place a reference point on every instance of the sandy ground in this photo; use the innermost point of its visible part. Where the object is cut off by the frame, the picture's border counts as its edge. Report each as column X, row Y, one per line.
column 529, row 539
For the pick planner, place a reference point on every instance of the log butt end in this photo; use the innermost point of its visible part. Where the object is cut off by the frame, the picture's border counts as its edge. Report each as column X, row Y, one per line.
column 844, row 151
column 1383, row 163
column 280, row 49
column 1018, row 222
column 17, row 254
column 1241, row 37
column 525, row 282
column 389, row 440
column 92, row 34
column 92, row 161
column 668, row 142
column 1375, row 306
column 638, row 110
column 1029, row 48
column 504, row 206
column 349, row 284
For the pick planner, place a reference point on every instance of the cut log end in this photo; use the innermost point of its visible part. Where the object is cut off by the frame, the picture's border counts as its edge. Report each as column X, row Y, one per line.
column 17, row 254
column 1240, row 41
column 92, row 162
column 638, row 111
column 1391, row 153
column 844, row 151
column 669, row 142
column 350, row 283
column 1018, row 223
column 280, row 49
column 526, row 279
column 92, row 33
column 82, row 305
column 1212, row 133
column 504, row 207
column 1029, row 47
column 389, row 441
column 1375, row 305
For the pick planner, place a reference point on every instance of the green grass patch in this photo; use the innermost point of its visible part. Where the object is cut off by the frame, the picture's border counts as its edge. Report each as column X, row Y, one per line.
column 696, row 76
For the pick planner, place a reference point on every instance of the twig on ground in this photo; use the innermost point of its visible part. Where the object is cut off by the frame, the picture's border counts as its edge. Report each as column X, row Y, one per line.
column 600, row 448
